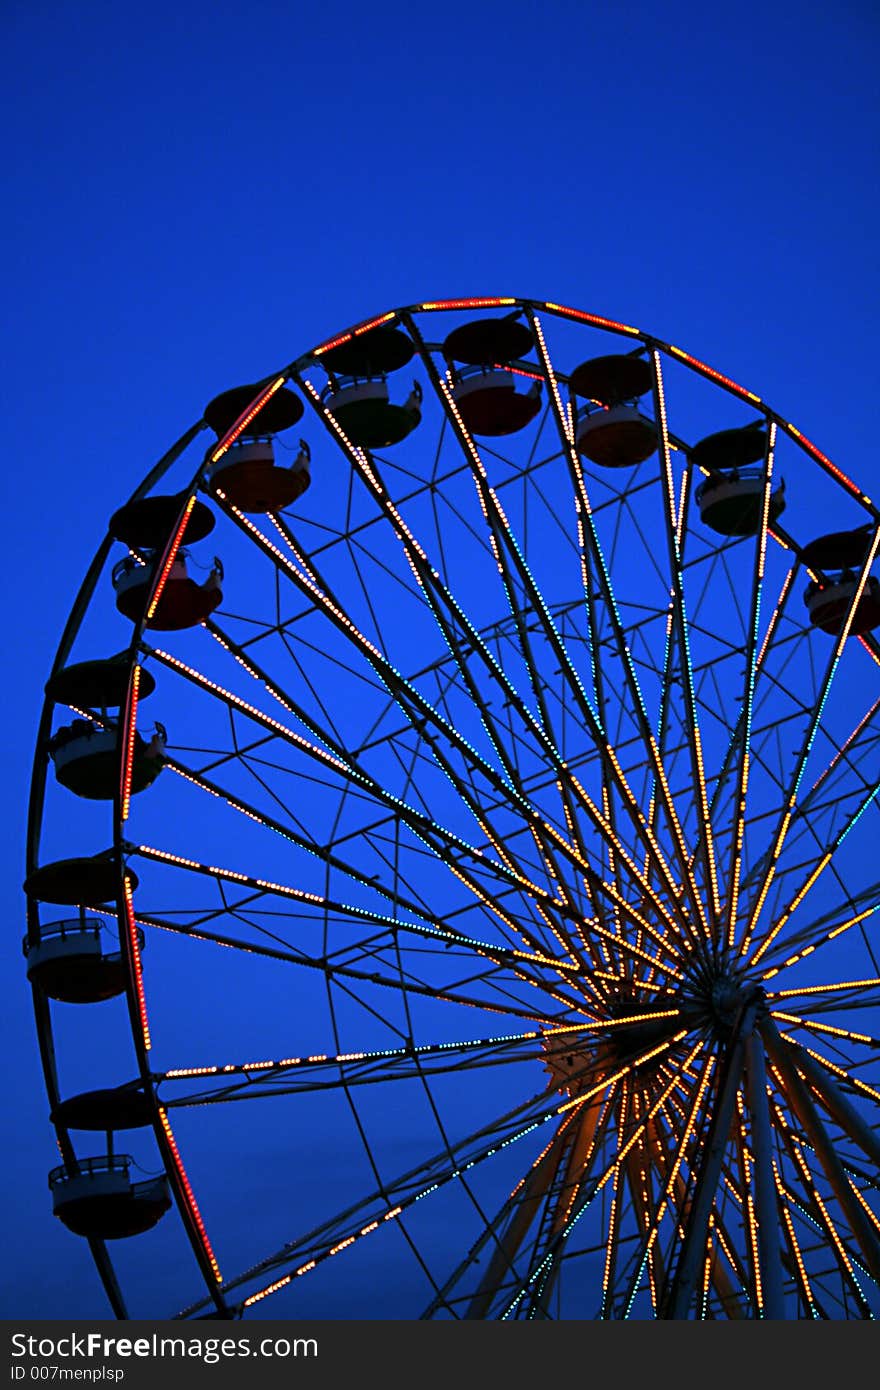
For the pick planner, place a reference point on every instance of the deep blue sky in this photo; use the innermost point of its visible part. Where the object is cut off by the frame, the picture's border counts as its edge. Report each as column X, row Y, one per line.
column 195, row 194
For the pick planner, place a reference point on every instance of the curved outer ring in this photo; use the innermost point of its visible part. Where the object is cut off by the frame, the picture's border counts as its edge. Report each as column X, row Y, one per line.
column 127, row 727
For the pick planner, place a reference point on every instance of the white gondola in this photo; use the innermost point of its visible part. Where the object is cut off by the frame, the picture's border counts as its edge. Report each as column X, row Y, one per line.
column 731, row 501
column 366, row 414
column 489, row 403
column 71, row 961
column 183, row 602
column 251, row 479
column 86, row 759
column 619, row 437
column 828, row 603
column 101, row 1201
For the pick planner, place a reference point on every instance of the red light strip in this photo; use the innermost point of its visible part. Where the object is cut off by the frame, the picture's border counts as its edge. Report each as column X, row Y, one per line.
column 242, row 423
column 135, row 947
column 592, row 318
column 870, row 650
column 518, row 371
column 190, row 1195
column 170, row 558
column 464, row 304
column 130, row 728
column 825, row 462
column 716, row 376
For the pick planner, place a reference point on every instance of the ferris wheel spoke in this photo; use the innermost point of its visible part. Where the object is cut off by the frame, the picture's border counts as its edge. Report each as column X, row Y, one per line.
column 393, row 1198
column 763, row 1221
column 650, row 1212
column 519, row 967
column 731, row 765
column 420, row 714
column 825, row 859
column 609, row 796
column 825, row 929
column 672, row 513
column 638, row 1181
column 823, row 1079
column 513, row 569
column 569, row 805
column 812, row 1025
column 637, row 1128
column 800, row 1101
column 845, row 806
column 556, row 909
column 506, row 1006
column 664, row 1156
column 683, row 1279
column 323, row 905
column 564, row 1201
column 812, row 1209
column 588, row 1141
column 750, row 678
column 848, row 755
column 790, row 802
column 630, row 1133
column 576, row 1206
column 667, row 683
column 534, row 1202
column 231, row 1081
column 835, row 1298
column 613, row 1230
column 586, row 521
column 732, row 1289
column 792, row 1255
column 372, row 882
column 664, row 1159
column 513, row 1219
column 716, row 1277
column 845, row 1076
column 350, row 871
column 445, row 844
column 442, row 601
column 723, row 1269
column 825, row 996
column 743, row 1157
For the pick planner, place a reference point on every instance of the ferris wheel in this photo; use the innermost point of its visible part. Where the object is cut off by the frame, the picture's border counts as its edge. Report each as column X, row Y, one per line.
column 485, row 925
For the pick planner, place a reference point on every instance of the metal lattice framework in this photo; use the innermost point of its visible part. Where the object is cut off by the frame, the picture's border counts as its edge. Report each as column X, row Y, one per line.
column 512, row 855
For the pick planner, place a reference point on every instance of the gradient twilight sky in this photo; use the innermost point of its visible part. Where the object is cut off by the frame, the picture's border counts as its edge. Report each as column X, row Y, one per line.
column 197, row 193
